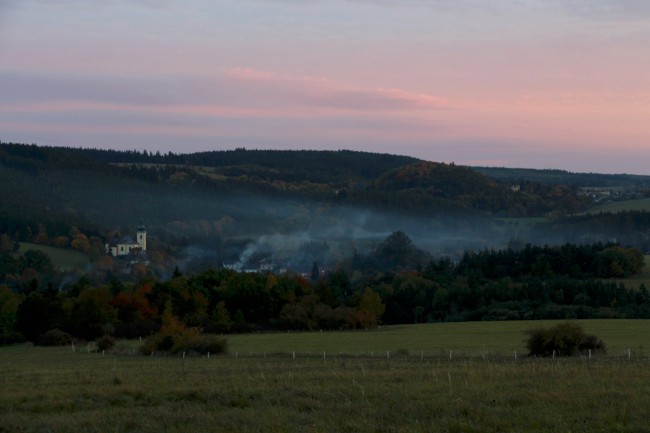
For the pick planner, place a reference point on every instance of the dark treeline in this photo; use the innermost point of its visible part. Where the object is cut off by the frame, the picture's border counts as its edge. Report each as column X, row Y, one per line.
column 395, row 283
column 289, row 165
column 562, row 177
column 628, row 228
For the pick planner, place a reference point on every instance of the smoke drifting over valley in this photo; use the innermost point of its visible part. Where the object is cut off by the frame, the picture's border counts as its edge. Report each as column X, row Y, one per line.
column 326, row 235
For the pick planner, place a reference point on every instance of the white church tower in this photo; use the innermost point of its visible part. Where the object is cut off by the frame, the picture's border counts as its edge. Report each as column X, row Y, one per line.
column 141, row 236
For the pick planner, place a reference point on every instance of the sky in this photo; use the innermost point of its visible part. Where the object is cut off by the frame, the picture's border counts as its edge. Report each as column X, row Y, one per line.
column 506, row 83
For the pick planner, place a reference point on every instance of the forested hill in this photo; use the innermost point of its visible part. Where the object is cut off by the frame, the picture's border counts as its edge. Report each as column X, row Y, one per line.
column 241, row 188
column 378, row 181
column 294, row 165
column 240, row 195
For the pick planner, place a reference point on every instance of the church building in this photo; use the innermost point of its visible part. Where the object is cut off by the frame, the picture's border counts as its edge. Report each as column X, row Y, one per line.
column 124, row 246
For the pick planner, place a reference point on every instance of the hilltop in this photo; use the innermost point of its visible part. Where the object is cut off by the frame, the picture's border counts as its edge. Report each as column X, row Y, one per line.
column 229, row 200
column 345, row 177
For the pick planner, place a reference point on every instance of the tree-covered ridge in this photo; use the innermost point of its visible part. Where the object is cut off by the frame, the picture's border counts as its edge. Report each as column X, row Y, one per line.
column 437, row 181
column 449, row 186
column 344, row 177
column 289, row 165
column 444, row 180
column 214, row 197
column 626, row 228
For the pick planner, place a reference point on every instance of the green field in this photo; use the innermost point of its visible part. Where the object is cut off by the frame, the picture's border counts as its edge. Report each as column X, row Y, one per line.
column 437, row 339
column 621, row 206
column 58, row 390
column 63, row 259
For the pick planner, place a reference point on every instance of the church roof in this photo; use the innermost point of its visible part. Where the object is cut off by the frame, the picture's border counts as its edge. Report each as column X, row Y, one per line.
column 124, row 240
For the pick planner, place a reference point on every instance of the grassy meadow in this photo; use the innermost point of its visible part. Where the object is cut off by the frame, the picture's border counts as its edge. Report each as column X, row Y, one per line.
column 348, row 390
column 63, row 259
column 622, row 206
column 466, row 339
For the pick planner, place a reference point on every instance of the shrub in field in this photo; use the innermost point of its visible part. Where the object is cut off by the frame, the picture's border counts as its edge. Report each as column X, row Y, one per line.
column 175, row 337
column 54, row 337
column 203, row 344
column 564, row 339
column 170, row 337
column 402, row 351
column 11, row 337
column 593, row 343
column 106, row 342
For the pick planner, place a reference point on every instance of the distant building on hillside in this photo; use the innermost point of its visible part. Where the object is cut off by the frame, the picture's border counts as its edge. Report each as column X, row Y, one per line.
column 125, row 245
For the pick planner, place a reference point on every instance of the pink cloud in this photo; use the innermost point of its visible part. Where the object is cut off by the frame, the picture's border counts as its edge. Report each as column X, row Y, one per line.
column 235, row 93
column 326, row 93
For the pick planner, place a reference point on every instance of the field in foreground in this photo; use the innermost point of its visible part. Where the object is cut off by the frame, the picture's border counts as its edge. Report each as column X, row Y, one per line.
column 58, row 390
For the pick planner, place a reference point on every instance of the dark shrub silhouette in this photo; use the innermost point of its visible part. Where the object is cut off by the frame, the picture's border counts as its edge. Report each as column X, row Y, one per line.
column 175, row 337
column 564, row 339
column 106, row 342
column 54, row 337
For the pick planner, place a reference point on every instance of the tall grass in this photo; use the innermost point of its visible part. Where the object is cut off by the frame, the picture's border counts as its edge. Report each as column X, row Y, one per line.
column 354, row 387
column 56, row 390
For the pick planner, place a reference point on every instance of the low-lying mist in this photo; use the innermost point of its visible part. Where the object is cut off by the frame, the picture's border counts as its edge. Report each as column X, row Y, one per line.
column 309, row 233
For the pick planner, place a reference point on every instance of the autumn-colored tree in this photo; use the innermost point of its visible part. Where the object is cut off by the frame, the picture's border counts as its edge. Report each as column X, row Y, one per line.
column 96, row 248
column 91, row 311
column 370, row 308
column 104, row 266
column 80, row 243
column 6, row 245
column 9, row 303
column 41, row 236
column 60, row 241
column 219, row 319
column 301, row 315
column 171, row 337
column 135, row 315
column 192, row 307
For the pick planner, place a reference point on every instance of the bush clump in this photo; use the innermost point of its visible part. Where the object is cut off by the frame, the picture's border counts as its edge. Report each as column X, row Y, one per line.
column 175, row 337
column 564, row 339
column 54, row 337
column 106, row 342
column 204, row 344
column 11, row 337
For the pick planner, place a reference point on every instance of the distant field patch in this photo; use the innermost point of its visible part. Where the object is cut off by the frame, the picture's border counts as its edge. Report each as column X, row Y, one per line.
column 621, row 206
column 65, row 260
column 473, row 339
column 528, row 221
